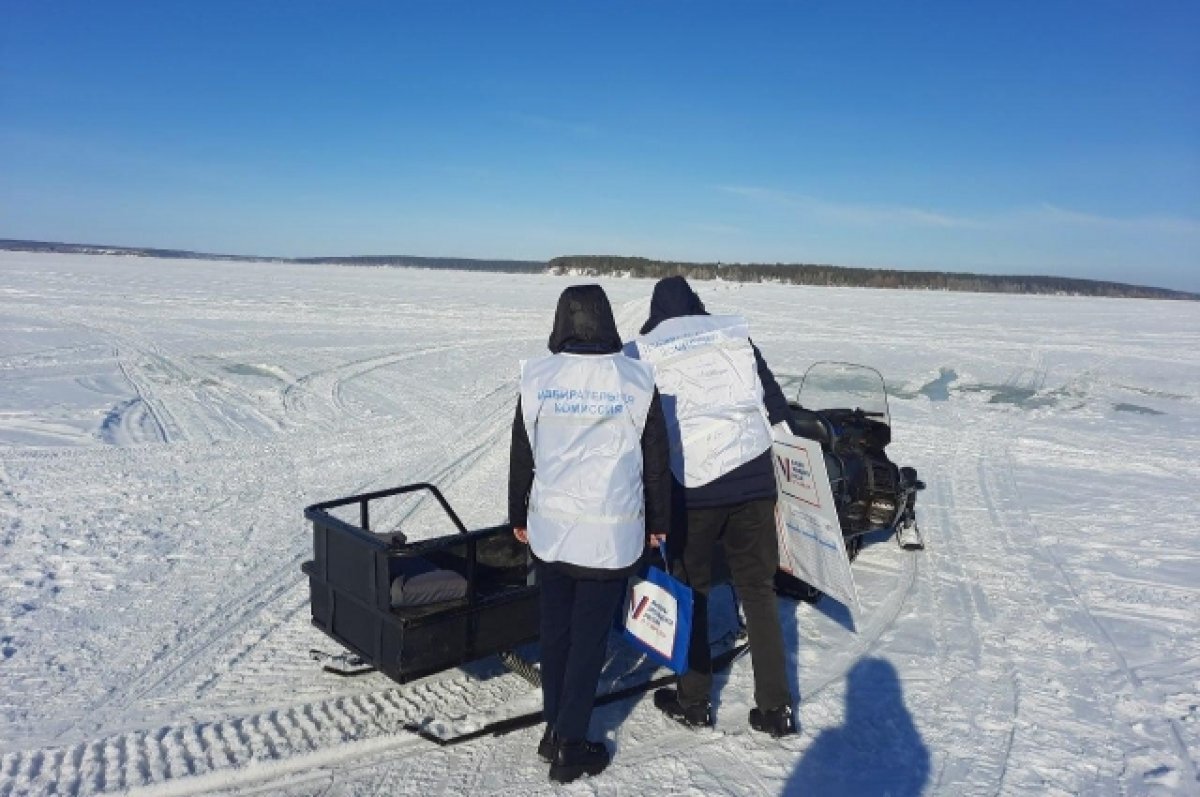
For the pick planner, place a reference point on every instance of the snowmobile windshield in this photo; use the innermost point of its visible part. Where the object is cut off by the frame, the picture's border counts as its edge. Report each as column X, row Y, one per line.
column 834, row 385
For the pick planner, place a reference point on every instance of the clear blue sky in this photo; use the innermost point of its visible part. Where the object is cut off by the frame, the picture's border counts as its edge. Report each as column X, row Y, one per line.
column 1007, row 137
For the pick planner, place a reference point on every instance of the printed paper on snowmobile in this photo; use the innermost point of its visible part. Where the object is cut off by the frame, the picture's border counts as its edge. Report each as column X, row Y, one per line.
column 811, row 546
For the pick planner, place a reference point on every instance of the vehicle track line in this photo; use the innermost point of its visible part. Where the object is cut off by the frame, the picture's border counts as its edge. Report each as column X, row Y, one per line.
column 268, row 587
column 1190, row 770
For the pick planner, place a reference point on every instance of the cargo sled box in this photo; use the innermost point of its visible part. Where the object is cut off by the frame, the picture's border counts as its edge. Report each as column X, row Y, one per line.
column 410, row 609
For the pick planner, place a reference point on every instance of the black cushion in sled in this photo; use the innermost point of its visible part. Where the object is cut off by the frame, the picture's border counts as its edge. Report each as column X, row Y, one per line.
column 417, row 582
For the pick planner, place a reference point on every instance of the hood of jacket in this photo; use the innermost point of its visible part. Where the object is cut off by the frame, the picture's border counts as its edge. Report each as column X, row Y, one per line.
column 672, row 297
column 583, row 323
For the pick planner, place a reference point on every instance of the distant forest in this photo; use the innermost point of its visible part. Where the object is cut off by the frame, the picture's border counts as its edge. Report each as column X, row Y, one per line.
column 841, row 276
column 612, row 266
column 378, row 261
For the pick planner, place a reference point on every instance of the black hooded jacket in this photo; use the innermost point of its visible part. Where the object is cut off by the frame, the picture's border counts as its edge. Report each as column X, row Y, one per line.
column 584, row 324
column 672, row 298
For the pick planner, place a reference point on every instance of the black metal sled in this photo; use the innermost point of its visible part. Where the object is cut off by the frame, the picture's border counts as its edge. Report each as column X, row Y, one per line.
column 478, row 597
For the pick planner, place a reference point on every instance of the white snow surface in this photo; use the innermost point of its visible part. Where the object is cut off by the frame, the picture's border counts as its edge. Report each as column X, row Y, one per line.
column 163, row 423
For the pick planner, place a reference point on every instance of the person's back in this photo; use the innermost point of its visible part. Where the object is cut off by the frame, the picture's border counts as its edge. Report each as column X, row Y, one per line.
column 674, row 302
column 706, row 364
column 720, row 400
column 584, row 415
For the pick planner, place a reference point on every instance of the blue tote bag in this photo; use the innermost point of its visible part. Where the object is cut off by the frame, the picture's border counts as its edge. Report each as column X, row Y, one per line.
column 657, row 619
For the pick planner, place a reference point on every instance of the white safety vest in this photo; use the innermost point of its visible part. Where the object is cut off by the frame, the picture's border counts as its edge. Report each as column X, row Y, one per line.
column 711, row 394
column 584, row 415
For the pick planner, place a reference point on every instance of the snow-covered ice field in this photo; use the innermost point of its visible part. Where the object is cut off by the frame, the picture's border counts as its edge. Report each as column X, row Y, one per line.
column 163, row 424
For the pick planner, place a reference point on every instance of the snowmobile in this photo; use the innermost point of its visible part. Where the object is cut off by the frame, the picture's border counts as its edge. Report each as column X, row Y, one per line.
column 412, row 608
column 844, row 407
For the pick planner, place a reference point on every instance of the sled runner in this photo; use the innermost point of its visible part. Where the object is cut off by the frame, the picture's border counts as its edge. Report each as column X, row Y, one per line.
column 344, row 664
column 844, row 407
column 426, row 730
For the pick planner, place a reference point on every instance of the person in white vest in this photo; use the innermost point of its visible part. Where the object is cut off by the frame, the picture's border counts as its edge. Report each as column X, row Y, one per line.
column 588, row 490
column 720, row 401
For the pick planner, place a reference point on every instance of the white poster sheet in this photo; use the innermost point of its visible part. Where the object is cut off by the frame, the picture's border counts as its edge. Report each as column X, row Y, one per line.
column 811, row 547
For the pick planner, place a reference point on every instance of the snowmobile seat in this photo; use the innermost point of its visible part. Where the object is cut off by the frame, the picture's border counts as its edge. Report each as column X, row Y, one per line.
column 811, row 425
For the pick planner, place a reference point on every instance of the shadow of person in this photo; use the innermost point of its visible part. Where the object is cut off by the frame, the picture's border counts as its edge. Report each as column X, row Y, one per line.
column 876, row 753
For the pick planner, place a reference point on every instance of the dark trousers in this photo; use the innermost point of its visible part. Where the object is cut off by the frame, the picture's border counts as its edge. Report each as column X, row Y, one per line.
column 576, row 617
column 746, row 531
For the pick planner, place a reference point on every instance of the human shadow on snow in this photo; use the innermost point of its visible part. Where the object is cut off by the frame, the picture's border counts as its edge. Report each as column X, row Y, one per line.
column 878, row 752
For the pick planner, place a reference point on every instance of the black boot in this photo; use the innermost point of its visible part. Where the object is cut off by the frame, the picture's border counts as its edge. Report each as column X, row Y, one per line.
column 575, row 759
column 548, row 746
column 697, row 716
column 776, row 721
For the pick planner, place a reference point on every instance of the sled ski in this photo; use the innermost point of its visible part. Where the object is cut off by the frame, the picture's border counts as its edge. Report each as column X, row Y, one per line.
column 720, row 663
column 347, row 665
column 908, row 534
column 909, row 538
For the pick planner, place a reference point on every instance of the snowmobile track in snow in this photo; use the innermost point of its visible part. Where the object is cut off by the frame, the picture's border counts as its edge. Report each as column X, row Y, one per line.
column 340, row 731
column 268, row 743
column 1047, row 552
column 194, row 652
column 235, row 612
column 329, row 382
